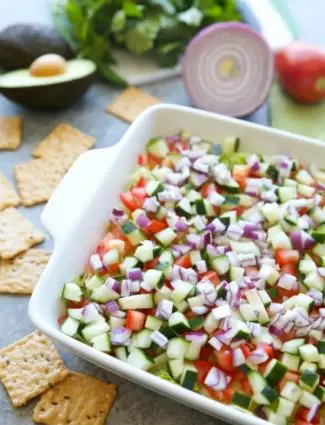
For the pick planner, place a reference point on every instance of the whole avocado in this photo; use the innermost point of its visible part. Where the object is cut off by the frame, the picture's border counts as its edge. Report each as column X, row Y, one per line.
column 20, row 44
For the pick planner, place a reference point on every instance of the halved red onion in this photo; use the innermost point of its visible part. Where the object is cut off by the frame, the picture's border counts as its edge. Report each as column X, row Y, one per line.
column 228, row 68
column 301, row 240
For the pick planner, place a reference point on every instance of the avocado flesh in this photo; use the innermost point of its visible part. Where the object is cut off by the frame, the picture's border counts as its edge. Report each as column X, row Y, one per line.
column 53, row 92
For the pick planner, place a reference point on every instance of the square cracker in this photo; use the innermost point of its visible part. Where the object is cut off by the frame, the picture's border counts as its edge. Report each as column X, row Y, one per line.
column 130, row 103
column 17, row 234
column 78, row 400
column 8, row 194
column 10, row 133
column 65, row 142
column 30, row 366
column 37, row 178
column 20, row 275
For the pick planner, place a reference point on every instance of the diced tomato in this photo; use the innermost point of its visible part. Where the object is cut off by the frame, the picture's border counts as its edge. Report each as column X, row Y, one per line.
column 289, row 376
column 302, row 414
column 245, row 349
column 135, row 320
column 141, row 182
column 224, row 396
column 286, row 256
column 153, row 160
column 203, row 368
column 113, row 269
column 61, row 319
column 139, row 193
column 240, row 173
column 289, row 268
column 151, row 264
column 142, row 160
column 74, row 304
column 246, row 387
column 156, row 226
column 207, row 354
column 130, row 202
column 268, row 349
column 224, row 359
column 211, row 276
column 228, row 394
column 207, row 188
column 239, row 210
column 261, row 367
column 184, row 261
column 284, row 293
column 300, row 422
column 316, row 259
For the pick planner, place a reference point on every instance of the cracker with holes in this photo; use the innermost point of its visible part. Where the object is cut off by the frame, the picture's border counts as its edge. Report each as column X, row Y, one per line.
column 30, row 366
column 78, row 400
column 130, row 103
column 37, row 178
column 20, row 274
column 65, row 142
column 17, row 234
column 10, row 133
column 8, row 194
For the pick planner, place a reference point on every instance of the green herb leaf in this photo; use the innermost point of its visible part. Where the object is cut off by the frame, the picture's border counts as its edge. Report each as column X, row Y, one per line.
column 132, row 9
column 191, row 17
column 118, row 21
column 141, row 38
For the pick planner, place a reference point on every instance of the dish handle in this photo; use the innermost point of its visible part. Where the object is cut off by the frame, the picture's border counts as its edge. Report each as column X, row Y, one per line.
column 70, row 197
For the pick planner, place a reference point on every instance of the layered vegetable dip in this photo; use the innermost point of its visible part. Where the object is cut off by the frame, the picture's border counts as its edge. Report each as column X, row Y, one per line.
column 211, row 275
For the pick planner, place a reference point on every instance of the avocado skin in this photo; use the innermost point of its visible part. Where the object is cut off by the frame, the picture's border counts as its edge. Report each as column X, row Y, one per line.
column 20, row 44
column 51, row 96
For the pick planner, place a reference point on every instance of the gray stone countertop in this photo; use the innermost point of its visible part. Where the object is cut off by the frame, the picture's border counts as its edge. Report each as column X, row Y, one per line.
column 134, row 405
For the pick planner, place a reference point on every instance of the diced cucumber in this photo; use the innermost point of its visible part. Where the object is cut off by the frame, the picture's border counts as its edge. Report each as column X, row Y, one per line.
column 153, row 187
column 193, row 352
column 166, row 236
column 274, row 372
column 266, row 300
column 196, row 322
column 308, row 400
column 293, row 345
column 176, row 368
column 184, row 208
column 306, row 191
column 72, row 292
column 286, row 193
column 128, row 263
column 281, row 241
column 70, row 326
column 267, row 396
column 136, row 302
column 158, row 147
column 189, row 376
column 248, row 313
column 195, row 256
column 75, row 313
column 275, row 419
column 291, row 361
column 257, row 304
column 304, row 177
column 320, row 393
column 291, row 391
column 121, row 353
column 300, row 300
column 284, row 407
column 220, row 264
column 102, row 342
column 245, row 248
column 314, row 280
column 91, row 331
column 230, row 145
column 160, row 360
column 144, row 253
column 139, row 359
column 116, row 322
column 231, row 187
column 229, row 217
column 242, row 400
column 143, row 338
column 153, row 323
column 319, row 234
column 236, row 273
column 309, row 380
column 182, row 290
column 178, row 322
column 177, row 348
column 270, row 274
column 111, row 257
column 321, row 346
column 271, row 212
column 309, row 353
column 307, row 265
column 155, row 278
column 308, row 366
column 241, row 329
column 256, row 381
column 210, row 323
column 104, row 294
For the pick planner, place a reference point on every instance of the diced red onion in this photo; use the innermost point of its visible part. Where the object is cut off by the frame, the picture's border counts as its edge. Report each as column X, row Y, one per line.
column 206, row 238
column 247, row 260
column 198, row 179
column 200, row 310
column 119, row 336
column 96, row 262
column 142, row 221
column 322, row 312
column 151, row 205
column 201, row 266
column 255, row 328
column 216, row 226
column 159, row 339
column 275, row 308
column 112, row 306
column 135, row 286
column 226, row 336
column 316, row 295
column 233, row 258
column 215, row 343
column 194, row 154
column 125, row 288
column 197, row 337
column 169, row 195
column 199, row 166
column 176, row 179
column 181, row 225
column 269, row 196
column 321, row 271
column 288, row 328
column 117, row 212
column 287, row 281
column 112, row 284
column 164, row 309
column 216, row 379
column 253, row 163
column 301, row 240
column 258, row 356
column 134, row 274
column 180, row 249
column 313, row 412
column 235, row 232
column 275, row 331
column 320, row 186
column 90, row 313
column 194, row 240
column 238, row 357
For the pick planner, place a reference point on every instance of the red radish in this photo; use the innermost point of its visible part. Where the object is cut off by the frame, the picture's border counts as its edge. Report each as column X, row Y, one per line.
column 228, row 68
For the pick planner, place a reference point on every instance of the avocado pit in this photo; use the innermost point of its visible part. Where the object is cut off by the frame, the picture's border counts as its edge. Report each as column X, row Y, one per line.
column 48, row 65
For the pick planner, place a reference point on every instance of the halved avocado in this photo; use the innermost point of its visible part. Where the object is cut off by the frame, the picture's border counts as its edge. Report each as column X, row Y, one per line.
column 52, row 92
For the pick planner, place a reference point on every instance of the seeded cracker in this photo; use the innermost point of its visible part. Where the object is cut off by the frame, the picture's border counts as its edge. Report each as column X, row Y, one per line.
column 30, row 366
column 65, row 142
column 20, row 275
column 78, row 400
column 10, row 133
column 37, row 178
column 8, row 195
column 17, row 234
column 130, row 103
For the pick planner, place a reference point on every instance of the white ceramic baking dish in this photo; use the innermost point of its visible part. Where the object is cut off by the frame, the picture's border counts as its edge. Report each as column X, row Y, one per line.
column 77, row 214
